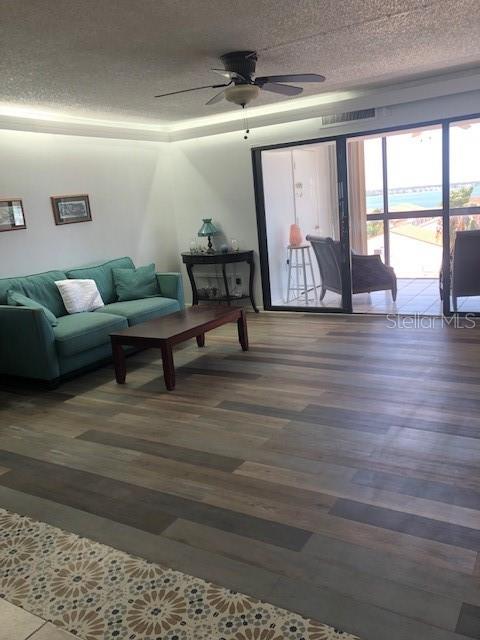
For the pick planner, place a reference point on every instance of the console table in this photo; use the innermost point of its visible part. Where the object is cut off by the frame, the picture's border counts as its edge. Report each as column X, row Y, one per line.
column 192, row 259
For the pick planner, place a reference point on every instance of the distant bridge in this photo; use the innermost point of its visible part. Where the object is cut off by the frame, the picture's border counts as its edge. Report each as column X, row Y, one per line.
column 419, row 189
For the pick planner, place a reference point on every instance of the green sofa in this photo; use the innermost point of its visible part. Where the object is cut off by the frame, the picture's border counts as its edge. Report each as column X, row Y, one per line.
column 31, row 348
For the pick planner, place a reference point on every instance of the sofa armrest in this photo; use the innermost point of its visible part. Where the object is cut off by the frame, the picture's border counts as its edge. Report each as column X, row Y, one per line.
column 171, row 286
column 27, row 344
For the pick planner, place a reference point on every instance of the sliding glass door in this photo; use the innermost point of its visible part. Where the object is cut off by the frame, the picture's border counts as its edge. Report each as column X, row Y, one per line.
column 302, row 228
column 395, row 196
column 381, row 222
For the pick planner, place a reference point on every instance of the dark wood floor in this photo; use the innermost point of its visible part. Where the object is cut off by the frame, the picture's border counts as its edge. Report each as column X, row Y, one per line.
column 334, row 469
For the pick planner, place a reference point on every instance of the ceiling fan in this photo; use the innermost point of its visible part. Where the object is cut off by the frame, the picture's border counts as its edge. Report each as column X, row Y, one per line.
column 243, row 86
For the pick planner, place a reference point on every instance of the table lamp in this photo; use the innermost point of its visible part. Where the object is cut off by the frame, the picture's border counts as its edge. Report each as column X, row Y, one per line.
column 208, row 229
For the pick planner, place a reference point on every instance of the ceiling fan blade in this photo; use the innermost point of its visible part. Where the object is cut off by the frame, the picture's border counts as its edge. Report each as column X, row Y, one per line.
column 231, row 75
column 284, row 89
column 216, row 98
column 207, row 86
column 291, row 77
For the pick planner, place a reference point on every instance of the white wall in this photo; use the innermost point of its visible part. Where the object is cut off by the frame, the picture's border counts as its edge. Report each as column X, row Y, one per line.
column 327, row 192
column 128, row 185
column 212, row 177
column 277, row 169
column 316, row 197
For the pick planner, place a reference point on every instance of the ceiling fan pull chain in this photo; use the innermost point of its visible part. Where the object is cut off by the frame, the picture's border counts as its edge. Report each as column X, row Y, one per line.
column 245, row 122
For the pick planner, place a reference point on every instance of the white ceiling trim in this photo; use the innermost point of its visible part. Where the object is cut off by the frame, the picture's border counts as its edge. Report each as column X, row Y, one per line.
column 22, row 119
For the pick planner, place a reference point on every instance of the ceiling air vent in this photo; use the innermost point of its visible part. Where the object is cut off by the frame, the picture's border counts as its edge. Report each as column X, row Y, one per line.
column 348, row 116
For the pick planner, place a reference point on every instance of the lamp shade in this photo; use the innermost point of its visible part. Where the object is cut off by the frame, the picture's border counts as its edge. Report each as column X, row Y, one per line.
column 207, row 228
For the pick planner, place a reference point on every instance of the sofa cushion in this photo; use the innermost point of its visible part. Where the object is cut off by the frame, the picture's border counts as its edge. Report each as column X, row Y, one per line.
column 133, row 284
column 102, row 274
column 79, row 295
column 16, row 299
column 82, row 331
column 137, row 311
column 40, row 287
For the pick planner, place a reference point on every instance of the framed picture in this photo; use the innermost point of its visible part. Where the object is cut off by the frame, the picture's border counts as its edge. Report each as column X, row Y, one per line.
column 12, row 216
column 69, row 209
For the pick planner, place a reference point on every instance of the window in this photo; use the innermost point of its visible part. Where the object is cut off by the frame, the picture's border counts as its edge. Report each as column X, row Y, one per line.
column 414, row 170
column 465, row 168
column 373, row 175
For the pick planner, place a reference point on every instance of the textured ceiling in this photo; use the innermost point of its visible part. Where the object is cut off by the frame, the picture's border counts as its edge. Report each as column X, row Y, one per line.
column 110, row 57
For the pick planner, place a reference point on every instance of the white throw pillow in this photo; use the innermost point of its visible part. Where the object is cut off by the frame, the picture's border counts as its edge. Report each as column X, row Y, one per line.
column 79, row 295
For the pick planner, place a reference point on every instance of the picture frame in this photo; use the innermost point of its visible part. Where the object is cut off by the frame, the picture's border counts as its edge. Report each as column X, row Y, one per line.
column 12, row 215
column 71, row 209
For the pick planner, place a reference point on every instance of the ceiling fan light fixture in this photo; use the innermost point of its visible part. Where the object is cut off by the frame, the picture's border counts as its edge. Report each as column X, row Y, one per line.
column 241, row 94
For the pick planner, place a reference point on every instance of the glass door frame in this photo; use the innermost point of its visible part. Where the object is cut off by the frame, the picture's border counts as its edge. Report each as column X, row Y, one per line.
column 341, row 152
column 342, row 194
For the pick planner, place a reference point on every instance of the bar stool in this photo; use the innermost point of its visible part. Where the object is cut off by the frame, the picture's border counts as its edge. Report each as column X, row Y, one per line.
column 299, row 265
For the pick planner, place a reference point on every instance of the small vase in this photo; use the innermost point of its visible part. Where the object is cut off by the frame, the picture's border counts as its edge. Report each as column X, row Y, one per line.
column 295, row 236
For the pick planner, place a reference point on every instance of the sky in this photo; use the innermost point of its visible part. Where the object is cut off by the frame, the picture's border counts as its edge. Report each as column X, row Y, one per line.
column 416, row 160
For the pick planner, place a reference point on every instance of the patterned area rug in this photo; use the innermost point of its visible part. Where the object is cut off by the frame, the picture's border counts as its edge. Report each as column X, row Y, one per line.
column 99, row 593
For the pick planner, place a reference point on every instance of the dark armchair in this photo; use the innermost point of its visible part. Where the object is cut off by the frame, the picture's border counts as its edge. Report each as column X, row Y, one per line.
column 465, row 266
column 368, row 271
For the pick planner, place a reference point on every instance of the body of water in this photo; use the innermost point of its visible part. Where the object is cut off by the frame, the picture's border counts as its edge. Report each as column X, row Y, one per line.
column 412, row 200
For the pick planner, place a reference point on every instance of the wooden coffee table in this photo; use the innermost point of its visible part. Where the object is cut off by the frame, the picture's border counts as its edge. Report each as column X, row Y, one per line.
column 162, row 333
